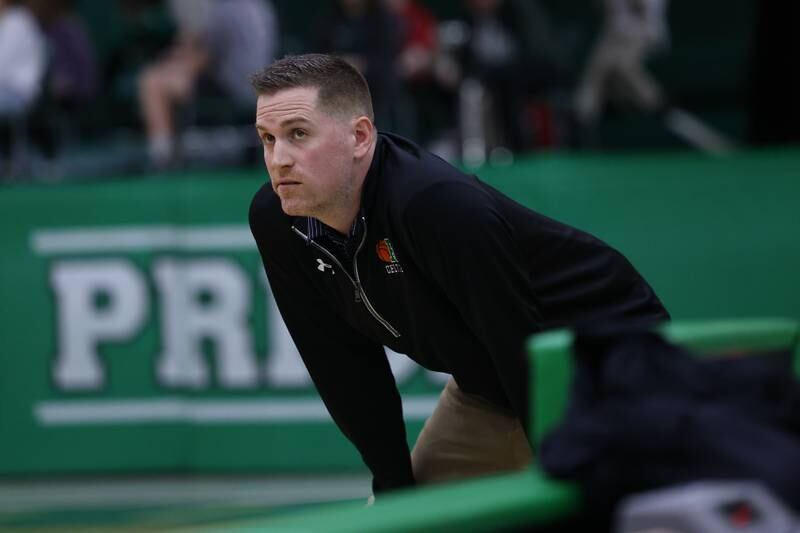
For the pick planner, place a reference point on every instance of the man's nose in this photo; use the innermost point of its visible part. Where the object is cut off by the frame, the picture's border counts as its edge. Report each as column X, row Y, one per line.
column 281, row 155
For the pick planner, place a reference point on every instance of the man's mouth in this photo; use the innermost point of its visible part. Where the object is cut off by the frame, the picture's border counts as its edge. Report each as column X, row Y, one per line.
column 286, row 183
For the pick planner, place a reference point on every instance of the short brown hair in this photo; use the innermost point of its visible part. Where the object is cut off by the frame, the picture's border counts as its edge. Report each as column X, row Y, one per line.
column 341, row 87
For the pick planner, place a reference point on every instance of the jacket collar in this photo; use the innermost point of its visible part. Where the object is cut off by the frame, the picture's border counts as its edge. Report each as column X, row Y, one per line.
column 369, row 192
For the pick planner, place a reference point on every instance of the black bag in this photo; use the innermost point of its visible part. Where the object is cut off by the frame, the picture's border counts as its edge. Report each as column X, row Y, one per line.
column 644, row 413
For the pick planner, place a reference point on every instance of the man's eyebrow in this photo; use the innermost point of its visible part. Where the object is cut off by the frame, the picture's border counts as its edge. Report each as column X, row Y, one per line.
column 292, row 120
column 287, row 122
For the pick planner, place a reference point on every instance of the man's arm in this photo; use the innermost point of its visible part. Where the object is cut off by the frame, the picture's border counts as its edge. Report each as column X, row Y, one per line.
column 469, row 251
column 350, row 372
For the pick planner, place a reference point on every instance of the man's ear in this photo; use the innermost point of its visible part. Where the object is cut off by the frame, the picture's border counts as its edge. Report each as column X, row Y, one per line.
column 363, row 131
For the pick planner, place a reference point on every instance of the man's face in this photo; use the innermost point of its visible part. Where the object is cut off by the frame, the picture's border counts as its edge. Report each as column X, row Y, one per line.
column 309, row 154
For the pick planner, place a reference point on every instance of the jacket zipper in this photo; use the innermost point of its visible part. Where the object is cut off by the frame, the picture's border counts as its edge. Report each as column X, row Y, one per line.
column 360, row 295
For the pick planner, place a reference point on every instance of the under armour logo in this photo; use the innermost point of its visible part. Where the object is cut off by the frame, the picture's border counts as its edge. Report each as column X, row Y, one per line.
column 323, row 265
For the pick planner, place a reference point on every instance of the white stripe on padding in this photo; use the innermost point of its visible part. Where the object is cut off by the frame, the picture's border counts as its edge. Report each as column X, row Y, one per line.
column 142, row 238
column 189, row 492
column 167, row 410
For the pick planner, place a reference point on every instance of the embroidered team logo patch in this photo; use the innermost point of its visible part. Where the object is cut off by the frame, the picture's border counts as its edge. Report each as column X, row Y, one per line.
column 386, row 254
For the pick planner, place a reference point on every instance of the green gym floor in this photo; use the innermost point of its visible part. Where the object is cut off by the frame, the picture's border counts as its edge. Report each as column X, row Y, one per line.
column 174, row 504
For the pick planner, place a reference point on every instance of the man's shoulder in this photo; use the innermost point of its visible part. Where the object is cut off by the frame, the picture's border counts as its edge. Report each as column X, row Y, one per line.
column 405, row 157
column 415, row 173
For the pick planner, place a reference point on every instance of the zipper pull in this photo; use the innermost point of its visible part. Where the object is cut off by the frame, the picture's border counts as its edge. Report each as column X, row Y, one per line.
column 358, row 296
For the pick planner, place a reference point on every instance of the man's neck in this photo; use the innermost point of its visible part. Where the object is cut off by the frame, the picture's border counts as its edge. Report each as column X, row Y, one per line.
column 342, row 220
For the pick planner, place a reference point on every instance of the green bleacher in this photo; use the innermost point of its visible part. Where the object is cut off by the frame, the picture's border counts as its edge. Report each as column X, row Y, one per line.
column 698, row 41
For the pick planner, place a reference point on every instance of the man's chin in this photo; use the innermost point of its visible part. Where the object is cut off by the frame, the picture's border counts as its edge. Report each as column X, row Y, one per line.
column 293, row 209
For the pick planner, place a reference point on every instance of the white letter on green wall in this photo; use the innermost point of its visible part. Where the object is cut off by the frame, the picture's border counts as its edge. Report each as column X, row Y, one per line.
column 205, row 299
column 97, row 301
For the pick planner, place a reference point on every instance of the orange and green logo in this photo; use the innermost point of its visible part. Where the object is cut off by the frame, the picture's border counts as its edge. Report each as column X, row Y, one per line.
column 385, row 251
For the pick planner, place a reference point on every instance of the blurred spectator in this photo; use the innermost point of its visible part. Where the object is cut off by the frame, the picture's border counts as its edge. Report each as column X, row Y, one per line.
column 72, row 74
column 219, row 44
column 632, row 30
column 23, row 59
column 511, row 51
column 428, row 83
column 366, row 34
column 418, row 38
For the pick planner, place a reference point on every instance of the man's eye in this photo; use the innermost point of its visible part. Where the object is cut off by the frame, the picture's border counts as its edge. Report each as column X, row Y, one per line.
column 299, row 134
column 269, row 139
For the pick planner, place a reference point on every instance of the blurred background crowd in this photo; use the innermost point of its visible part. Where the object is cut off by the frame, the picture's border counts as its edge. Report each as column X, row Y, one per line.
column 90, row 89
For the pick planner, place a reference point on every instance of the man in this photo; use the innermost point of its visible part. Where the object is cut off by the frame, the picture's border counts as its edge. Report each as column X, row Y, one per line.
column 369, row 241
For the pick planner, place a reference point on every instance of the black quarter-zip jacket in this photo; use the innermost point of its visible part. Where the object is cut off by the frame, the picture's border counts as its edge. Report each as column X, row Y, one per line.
column 448, row 271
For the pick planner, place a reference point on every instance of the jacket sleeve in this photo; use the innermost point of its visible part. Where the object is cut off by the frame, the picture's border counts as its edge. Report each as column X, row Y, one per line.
column 467, row 249
column 350, row 372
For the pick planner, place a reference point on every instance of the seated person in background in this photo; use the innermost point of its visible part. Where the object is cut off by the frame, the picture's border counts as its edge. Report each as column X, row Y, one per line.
column 219, row 44
column 512, row 51
column 418, row 36
column 632, row 31
column 23, row 59
column 429, row 80
column 73, row 75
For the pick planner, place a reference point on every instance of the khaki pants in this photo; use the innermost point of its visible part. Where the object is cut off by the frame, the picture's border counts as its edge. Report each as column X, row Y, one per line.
column 465, row 437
